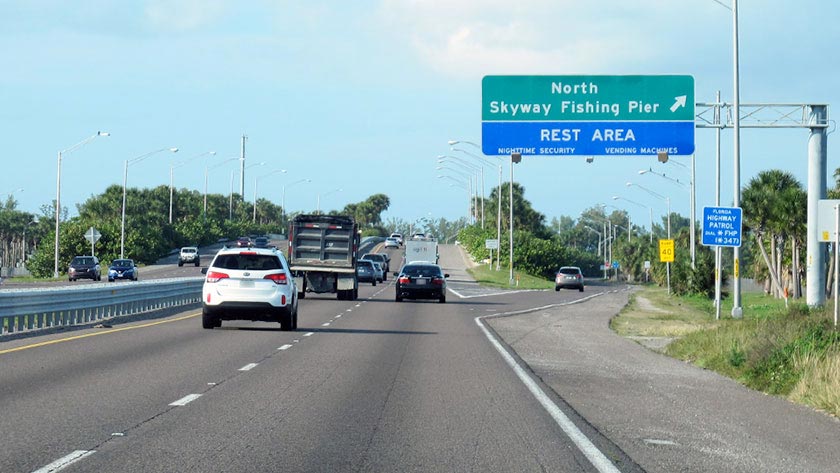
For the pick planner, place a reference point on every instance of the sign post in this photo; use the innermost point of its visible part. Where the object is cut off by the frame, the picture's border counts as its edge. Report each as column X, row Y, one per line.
column 626, row 115
column 721, row 227
column 666, row 255
column 92, row 235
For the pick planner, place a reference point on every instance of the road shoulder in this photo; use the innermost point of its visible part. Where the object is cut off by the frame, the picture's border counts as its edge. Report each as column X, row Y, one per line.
column 666, row 414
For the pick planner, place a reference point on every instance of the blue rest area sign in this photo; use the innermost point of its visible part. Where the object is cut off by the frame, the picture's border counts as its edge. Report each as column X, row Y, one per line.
column 722, row 226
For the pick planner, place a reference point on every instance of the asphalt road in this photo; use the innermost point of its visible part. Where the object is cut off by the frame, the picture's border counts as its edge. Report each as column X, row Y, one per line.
column 375, row 385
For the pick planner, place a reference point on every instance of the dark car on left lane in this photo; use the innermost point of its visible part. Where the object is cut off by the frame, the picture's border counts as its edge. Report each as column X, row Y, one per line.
column 122, row 269
column 84, row 267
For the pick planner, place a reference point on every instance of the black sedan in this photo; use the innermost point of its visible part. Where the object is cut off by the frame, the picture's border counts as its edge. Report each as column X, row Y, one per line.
column 122, row 269
column 421, row 281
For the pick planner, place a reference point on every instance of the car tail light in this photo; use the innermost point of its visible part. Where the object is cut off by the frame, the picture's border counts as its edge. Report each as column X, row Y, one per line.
column 405, row 280
column 215, row 276
column 437, row 281
column 283, row 299
column 278, row 278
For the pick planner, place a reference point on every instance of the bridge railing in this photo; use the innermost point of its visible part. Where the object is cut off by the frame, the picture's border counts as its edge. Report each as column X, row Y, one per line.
column 33, row 309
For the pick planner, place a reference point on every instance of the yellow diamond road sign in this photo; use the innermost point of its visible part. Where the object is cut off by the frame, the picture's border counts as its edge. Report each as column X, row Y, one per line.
column 666, row 251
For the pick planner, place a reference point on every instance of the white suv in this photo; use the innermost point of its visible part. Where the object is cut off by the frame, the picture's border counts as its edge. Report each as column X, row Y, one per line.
column 189, row 254
column 249, row 284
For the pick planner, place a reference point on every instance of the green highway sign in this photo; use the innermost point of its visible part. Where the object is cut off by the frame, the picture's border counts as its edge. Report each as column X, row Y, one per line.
column 588, row 115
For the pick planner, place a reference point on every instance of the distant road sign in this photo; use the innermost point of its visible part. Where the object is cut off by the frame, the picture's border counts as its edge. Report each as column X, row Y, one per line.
column 491, row 244
column 722, row 226
column 588, row 115
column 666, row 251
column 92, row 235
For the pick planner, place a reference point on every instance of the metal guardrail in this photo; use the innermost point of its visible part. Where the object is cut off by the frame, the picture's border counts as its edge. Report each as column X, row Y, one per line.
column 32, row 309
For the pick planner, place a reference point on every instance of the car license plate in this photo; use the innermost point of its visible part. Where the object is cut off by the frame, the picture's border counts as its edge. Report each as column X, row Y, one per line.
column 246, row 284
column 420, row 280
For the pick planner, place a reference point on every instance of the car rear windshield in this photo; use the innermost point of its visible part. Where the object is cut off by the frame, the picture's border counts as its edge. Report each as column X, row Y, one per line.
column 365, row 263
column 248, row 261
column 374, row 257
column 569, row 271
column 422, row 271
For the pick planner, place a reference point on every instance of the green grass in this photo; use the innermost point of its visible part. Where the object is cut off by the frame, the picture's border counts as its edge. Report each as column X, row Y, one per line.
column 490, row 277
column 793, row 352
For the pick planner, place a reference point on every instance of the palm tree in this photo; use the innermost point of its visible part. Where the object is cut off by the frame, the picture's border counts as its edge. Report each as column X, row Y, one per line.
column 774, row 204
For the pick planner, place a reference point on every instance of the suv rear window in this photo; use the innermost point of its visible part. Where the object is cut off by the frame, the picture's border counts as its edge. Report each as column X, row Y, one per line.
column 569, row 271
column 365, row 263
column 248, row 261
column 82, row 261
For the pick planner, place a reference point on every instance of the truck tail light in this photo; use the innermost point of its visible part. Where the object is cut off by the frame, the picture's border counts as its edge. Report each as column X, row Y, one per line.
column 215, row 276
column 278, row 278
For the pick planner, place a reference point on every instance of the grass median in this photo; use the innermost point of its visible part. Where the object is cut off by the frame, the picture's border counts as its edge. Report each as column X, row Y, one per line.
column 793, row 351
column 485, row 275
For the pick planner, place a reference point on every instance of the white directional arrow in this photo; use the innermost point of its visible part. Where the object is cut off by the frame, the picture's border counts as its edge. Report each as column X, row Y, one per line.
column 679, row 102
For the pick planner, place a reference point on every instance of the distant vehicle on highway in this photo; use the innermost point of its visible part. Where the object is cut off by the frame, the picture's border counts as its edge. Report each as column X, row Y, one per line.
column 189, row 254
column 122, row 269
column 398, row 237
column 421, row 281
column 392, row 242
column 243, row 242
column 380, row 273
column 249, row 284
column 381, row 258
column 261, row 242
column 365, row 272
column 84, row 267
column 569, row 277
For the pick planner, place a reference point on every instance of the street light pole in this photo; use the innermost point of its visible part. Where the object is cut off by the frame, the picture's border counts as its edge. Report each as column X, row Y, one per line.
column 125, row 182
column 283, row 202
column 58, row 189
column 206, row 173
column 256, row 180
column 172, row 168
column 318, row 203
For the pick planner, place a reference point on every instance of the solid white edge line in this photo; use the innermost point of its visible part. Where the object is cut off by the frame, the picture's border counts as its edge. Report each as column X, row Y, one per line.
column 595, row 456
column 185, row 400
column 285, row 347
column 248, row 367
column 65, row 461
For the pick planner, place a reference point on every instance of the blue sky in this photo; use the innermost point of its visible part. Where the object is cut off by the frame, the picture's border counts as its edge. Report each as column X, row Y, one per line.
column 364, row 95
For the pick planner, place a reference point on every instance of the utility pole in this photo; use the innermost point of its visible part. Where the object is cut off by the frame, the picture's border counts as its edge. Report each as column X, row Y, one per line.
column 242, row 169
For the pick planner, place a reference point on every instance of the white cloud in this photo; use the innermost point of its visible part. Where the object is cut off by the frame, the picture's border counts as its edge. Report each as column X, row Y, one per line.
column 184, row 15
column 470, row 38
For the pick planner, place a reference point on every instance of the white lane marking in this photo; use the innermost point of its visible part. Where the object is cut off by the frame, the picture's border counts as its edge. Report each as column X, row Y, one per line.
column 348, row 310
column 325, row 324
column 308, row 334
column 285, row 347
column 185, row 400
column 338, row 316
column 595, row 456
column 500, row 293
column 358, row 305
column 65, row 461
column 248, row 367
column 659, row 442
